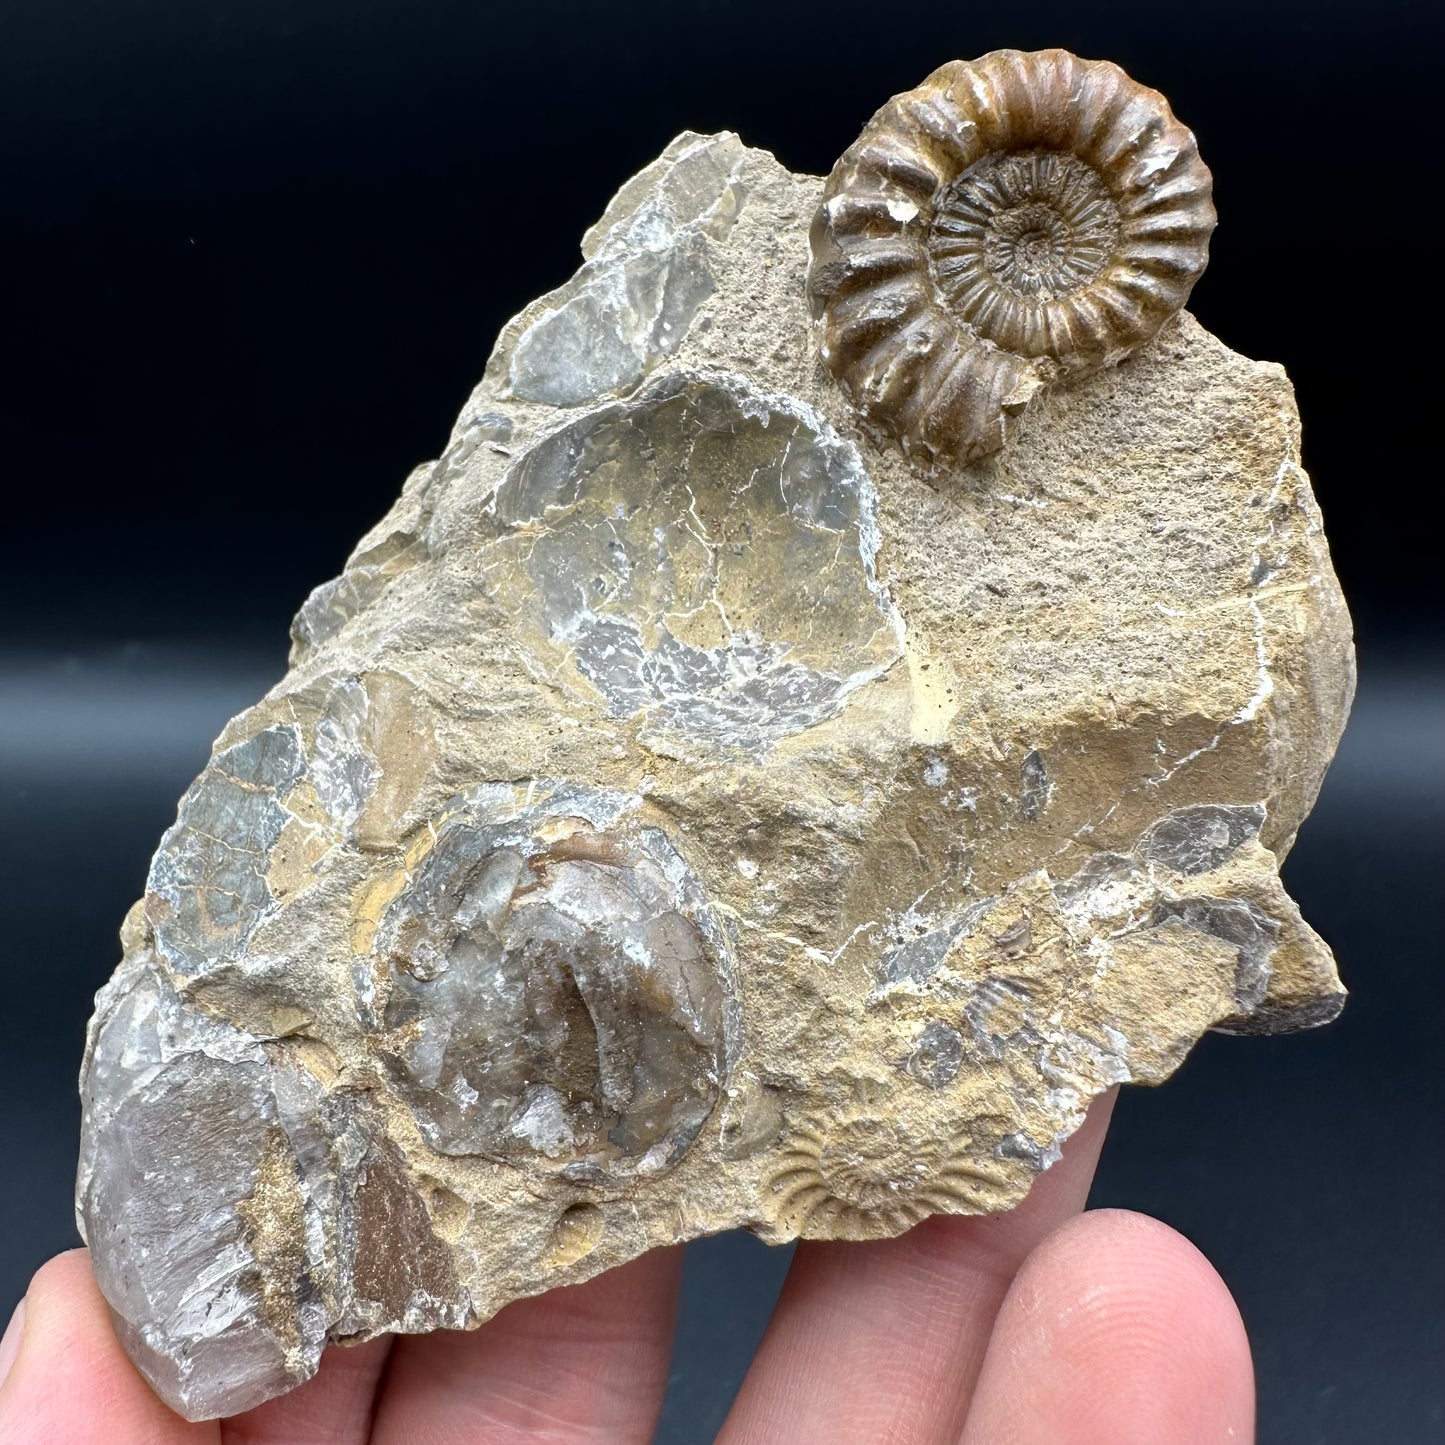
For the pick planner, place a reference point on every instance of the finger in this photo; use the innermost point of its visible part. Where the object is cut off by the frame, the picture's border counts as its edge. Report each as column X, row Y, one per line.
column 71, row 1381
column 1117, row 1331
column 882, row 1342
column 332, row 1408
column 584, row 1363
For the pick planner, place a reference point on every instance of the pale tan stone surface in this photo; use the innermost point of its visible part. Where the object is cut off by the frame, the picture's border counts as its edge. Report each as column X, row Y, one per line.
column 918, row 816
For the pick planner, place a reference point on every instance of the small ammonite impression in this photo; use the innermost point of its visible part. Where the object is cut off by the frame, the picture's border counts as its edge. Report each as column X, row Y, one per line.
column 1014, row 221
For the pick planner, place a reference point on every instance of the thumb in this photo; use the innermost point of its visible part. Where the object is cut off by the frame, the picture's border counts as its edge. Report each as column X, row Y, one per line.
column 64, row 1376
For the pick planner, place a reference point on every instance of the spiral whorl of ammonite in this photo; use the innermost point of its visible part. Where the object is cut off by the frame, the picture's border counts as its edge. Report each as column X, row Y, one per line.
column 1015, row 220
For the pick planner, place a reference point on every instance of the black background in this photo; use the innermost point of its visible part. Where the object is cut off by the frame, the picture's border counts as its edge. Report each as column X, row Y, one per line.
column 253, row 256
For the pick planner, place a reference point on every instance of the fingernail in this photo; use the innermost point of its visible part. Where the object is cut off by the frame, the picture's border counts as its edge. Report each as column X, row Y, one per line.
column 10, row 1345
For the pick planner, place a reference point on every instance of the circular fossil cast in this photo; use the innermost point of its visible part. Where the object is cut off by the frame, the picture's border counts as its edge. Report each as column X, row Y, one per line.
column 838, row 1176
column 549, row 985
column 1015, row 220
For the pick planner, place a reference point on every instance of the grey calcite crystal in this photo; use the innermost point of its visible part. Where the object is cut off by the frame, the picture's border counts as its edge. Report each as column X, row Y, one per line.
column 681, row 815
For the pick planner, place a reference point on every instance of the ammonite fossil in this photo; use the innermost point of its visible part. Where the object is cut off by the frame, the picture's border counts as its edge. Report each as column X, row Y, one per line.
column 1014, row 221
column 837, row 1178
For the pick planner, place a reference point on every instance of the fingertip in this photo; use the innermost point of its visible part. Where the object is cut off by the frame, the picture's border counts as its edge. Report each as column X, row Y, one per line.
column 1128, row 1268
column 62, row 1276
column 59, row 1290
column 10, row 1340
column 69, row 1378
column 1117, row 1329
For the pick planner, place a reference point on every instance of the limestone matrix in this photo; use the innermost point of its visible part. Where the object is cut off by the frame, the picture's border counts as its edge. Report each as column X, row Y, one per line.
column 681, row 816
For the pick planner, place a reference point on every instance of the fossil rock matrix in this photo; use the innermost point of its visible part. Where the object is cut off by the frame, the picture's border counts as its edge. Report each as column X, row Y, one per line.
column 684, row 814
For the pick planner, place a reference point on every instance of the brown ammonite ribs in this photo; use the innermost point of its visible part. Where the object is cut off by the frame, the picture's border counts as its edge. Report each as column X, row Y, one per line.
column 1017, row 220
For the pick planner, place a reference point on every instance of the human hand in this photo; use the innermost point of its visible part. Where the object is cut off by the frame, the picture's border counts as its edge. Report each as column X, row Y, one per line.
column 1042, row 1326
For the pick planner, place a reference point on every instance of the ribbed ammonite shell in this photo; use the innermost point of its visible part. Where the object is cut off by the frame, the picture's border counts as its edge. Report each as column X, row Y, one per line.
column 1014, row 221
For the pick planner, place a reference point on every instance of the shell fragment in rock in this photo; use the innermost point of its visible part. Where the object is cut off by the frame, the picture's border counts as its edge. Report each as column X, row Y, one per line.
column 549, row 984
column 1014, row 221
